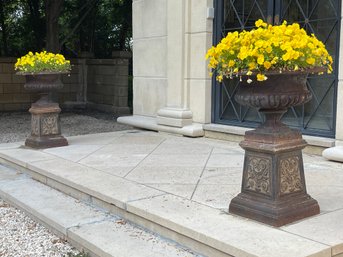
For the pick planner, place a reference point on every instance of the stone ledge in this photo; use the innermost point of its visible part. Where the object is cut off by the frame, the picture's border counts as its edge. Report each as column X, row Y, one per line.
column 85, row 226
column 311, row 140
column 150, row 123
column 334, row 153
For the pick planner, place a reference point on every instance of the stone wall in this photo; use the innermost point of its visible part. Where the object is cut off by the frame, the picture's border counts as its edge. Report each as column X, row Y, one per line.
column 95, row 83
column 12, row 94
column 107, row 87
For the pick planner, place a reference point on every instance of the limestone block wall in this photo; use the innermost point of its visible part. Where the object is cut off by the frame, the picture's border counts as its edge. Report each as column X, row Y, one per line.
column 12, row 94
column 107, row 86
column 98, row 83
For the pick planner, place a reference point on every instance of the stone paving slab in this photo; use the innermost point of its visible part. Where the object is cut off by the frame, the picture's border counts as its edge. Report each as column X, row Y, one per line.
column 23, row 156
column 112, row 189
column 85, row 226
column 48, row 205
column 188, row 192
column 73, row 152
column 234, row 235
column 118, row 238
column 326, row 228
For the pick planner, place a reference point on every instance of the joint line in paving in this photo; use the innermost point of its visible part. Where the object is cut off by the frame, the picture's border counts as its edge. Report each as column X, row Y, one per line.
column 143, row 198
column 144, row 158
column 202, row 173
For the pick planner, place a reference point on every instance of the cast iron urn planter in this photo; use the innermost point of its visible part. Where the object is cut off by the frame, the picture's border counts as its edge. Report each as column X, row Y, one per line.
column 273, row 189
column 45, row 125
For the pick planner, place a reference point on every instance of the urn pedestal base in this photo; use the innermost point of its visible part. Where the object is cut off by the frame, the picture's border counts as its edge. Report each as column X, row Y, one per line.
column 45, row 127
column 273, row 185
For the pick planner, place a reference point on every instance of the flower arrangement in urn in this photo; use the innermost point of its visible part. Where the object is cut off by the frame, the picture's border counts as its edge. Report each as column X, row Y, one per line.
column 42, row 71
column 267, row 48
column 43, row 62
column 273, row 63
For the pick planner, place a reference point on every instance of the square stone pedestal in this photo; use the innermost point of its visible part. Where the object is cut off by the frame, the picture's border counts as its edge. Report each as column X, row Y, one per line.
column 45, row 127
column 273, row 186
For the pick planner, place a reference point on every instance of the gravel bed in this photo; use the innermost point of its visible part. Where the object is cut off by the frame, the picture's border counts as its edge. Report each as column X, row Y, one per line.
column 15, row 126
column 20, row 236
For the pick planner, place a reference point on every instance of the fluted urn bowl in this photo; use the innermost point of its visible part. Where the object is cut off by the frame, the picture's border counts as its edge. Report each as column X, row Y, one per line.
column 279, row 92
column 43, row 83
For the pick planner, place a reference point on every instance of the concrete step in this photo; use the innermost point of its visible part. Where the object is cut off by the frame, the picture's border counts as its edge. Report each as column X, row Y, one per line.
column 86, row 227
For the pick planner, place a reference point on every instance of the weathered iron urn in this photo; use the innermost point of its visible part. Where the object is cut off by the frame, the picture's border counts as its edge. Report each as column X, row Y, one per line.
column 45, row 125
column 273, row 187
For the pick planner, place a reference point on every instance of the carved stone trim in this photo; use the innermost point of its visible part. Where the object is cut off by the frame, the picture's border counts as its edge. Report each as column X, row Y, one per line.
column 34, row 125
column 50, row 124
column 258, row 175
column 290, row 179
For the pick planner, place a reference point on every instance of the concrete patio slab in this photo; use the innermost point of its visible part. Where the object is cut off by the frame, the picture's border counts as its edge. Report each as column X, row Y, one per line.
column 42, row 202
column 102, row 185
column 23, row 156
column 221, row 160
column 73, row 152
column 216, row 196
column 221, row 176
column 88, row 228
column 10, row 145
column 228, row 233
column 95, row 139
column 165, row 174
column 181, row 188
column 179, row 160
column 129, row 241
column 323, row 228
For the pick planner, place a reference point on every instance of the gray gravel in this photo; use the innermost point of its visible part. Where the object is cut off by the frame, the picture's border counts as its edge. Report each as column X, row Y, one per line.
column 20, row 236
column 15, row 126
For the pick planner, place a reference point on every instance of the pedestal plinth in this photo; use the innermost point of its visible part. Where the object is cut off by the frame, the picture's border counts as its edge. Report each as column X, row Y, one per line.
column 45, row 127
column 273, row 186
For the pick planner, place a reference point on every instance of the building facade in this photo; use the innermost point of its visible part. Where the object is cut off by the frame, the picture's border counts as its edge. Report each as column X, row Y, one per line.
column 173, row 91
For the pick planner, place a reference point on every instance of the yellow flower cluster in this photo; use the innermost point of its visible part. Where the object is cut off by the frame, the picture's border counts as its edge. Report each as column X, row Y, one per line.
column 280, row 47
column 42, row 62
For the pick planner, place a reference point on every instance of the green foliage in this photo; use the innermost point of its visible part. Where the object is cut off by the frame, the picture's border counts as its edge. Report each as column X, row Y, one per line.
column 96, row 26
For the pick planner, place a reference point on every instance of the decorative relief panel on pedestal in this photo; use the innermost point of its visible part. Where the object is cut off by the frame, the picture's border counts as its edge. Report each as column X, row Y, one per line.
column 49, row 124
column 290, row 180
column 35, row 125
column 258, row 175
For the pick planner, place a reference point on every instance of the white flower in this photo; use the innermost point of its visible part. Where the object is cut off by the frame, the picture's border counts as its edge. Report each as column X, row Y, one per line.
column 249, row 81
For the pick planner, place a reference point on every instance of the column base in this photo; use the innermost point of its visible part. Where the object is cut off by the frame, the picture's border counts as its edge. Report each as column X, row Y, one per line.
column 46, row 141
column 174, row 117
column 274, row 213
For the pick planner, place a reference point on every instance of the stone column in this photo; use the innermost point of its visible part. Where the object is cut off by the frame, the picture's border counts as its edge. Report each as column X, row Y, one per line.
column 176, row 113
